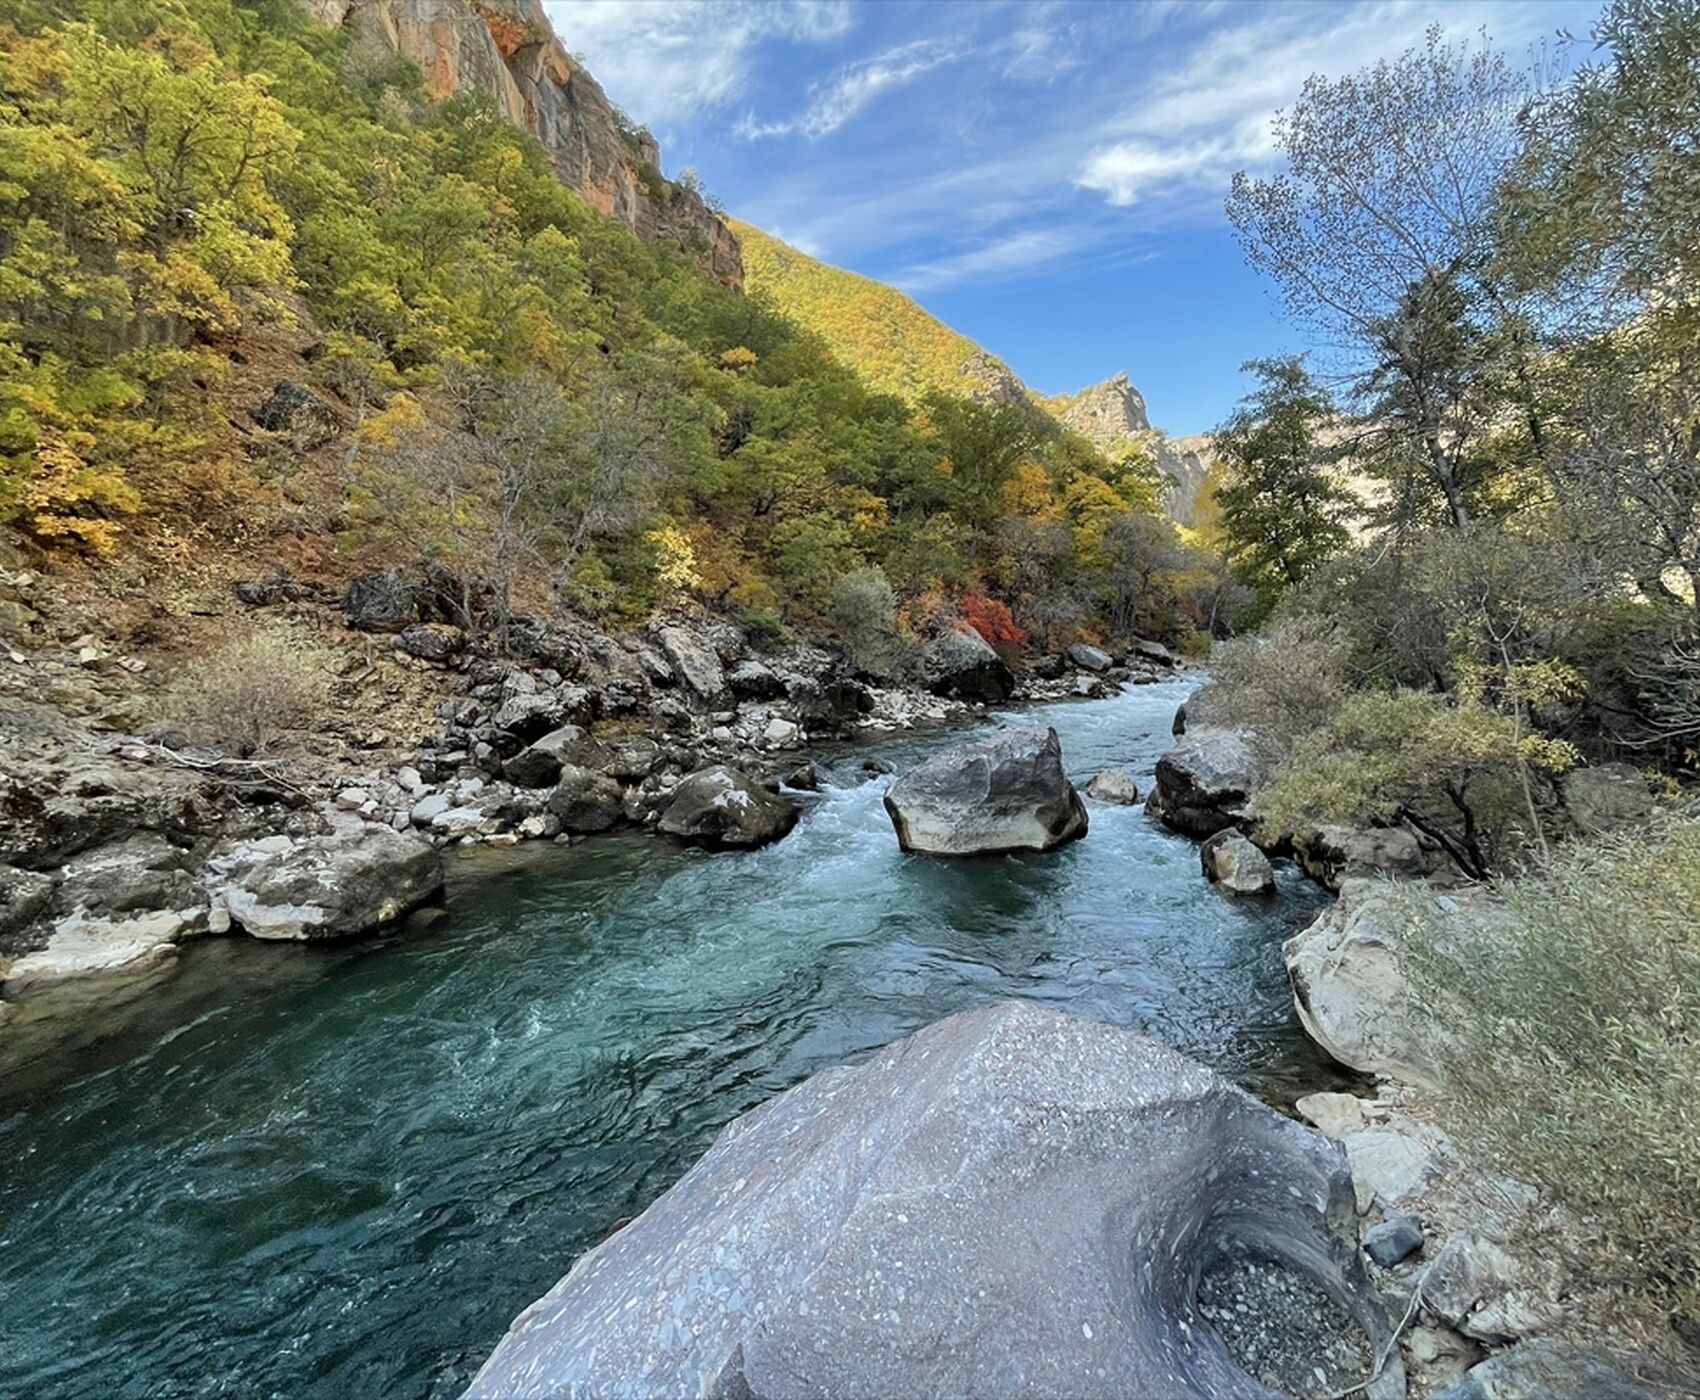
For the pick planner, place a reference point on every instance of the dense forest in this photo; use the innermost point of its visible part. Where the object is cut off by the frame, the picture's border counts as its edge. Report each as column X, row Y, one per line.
column 562, row 415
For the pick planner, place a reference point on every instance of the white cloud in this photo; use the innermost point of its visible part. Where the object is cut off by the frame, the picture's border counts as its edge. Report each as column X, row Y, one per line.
column 834, row 102
column 666, row 60
column 1002, row 257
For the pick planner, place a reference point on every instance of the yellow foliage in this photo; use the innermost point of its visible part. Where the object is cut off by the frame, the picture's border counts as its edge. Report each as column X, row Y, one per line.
column 738, row 357
column 54, row 499
column 675, row 559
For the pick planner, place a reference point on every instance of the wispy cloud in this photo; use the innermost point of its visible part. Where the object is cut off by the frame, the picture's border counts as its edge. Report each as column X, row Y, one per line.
column 666, row 60
column 834, row 102
column 1018, row 252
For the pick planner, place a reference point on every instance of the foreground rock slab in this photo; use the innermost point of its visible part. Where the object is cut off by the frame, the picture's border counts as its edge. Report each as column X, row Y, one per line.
column 1004, row 792
column 1013, row 1202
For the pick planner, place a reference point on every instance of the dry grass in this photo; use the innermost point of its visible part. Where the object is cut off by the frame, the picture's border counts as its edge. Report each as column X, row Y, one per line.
column 254, row 690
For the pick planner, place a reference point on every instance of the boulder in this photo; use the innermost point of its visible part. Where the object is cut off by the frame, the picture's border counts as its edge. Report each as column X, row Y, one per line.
column 1395, row 1240
column 1003, row 792
column 1011, row 1202
column 963, row 664
column 1090, row 658
column 295, row 410
column 585, row 801
column 630, row 759
column 695, row 663
column 81, row 946
column 822, row 705
column 25, row 896
column 1333, row 854
column 380, row 601
column 524, row 718
column 1489, row 1294
column 754, row 680
column 1114, row 785
column 1331, row 1113
column 348, row 881
column 1606, row 797
column 436, row 642
column 141, row 873
column 1205, row 782
column 539, row 763
column 722, row 807
column 1551, row 1370
column 1232, row 863
column 1154, row 652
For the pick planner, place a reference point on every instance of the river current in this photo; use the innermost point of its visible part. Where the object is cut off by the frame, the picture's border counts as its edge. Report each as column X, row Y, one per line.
column 336, row 1172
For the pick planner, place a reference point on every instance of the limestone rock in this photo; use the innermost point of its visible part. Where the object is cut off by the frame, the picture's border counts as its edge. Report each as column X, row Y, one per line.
column 1205, row 782
column 1233, row 863
column 82, row 946
column 1114, row 785
column 723, row 807
column 585, row 801
column 1011, row 1202
column 349, row 881
column 696, row 664
column 1004, row 792
column 1089, row 658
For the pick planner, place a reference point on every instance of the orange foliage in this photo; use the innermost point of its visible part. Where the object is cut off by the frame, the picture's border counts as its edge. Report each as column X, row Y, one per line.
column 991, row 618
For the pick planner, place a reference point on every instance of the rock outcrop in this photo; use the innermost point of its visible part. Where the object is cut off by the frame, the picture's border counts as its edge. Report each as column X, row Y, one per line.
column 1011, row 1202
column 1004, row 792
column 507, row 51
column 1205, row 782
column 1112, row 417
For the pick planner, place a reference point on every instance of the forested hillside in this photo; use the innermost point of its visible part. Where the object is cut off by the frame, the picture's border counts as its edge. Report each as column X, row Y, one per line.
column 203, row 200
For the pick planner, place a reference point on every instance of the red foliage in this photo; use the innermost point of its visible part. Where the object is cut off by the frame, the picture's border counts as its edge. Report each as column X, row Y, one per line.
column 991, row 618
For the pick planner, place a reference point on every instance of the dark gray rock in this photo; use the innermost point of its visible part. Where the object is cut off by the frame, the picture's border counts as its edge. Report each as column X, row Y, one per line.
column 1013, row 1202
column 349, row 881
column 1090, row 658
column 381, row 601
column 295, row 410
column 1004, row 792
column 1205, row 782
column 436, row 642
column 1606, row 797
column 754, row 680
column 803, row 778
column 586, row 801
column 632, row 758
column 826, row 705
column 1153, row 651
column 25, row 896
column 963, row 664
column 539, row 763
column 526, row 718
column 723, row 807
column 139, row 873
column 1233, row 863
column 1393, row 1241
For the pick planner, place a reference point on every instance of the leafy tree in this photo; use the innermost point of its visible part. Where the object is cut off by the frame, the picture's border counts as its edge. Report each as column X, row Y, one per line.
column 1282, row 511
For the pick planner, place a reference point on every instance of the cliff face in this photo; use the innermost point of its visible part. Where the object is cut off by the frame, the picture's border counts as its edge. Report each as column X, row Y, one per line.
column 507, row 50
column 1112, row 415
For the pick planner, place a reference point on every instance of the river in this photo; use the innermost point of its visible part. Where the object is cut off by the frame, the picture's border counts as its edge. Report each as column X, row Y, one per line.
column 334, row 1172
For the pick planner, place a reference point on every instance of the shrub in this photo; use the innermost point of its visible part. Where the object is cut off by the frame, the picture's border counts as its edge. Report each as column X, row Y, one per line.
column 1280, row 686
column 253, row 690
column 991, row 618
column 862, row 612
column 1576, row 1043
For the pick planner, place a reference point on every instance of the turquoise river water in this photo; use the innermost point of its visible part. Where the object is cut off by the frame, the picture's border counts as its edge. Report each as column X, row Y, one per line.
column 335, row 1172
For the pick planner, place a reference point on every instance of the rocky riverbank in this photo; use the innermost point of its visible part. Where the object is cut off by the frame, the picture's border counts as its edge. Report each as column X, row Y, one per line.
column 119, row 844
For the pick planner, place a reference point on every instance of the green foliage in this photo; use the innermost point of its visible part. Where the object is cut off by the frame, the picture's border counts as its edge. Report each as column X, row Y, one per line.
column 1574, row 1044
column 863, row 613
column 1283, row 511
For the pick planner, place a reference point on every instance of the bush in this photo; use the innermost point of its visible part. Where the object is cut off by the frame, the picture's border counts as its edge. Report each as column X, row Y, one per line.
column 253, row 690
column 862, row 612
column 1280, row 686
column 1576, row 1043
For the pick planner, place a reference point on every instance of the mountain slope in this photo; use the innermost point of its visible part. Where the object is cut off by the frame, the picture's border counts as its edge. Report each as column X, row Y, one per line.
column 894, row 344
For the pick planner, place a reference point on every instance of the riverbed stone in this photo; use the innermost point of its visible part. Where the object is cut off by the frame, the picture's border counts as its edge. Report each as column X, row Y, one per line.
column 585, row 801
column 1394, row 1240
column 539, row 763
column 350, row 880
column 1005, row 791
column 963, row 664
column 726, row 808
column 83, row 946
column 1090, row 658
column 1012, row 1202
column 1490, row 1294
column 1114, row 785
column 1545, row 1369
column 1205, row 782
column 1232, row 863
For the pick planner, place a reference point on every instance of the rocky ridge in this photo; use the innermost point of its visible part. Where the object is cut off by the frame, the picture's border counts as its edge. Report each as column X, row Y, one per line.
column 507, row 51
column 1111, row 416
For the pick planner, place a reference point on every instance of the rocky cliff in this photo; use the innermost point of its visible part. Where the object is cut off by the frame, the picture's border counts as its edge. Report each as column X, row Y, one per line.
column 507, row 50
column 1112, row 416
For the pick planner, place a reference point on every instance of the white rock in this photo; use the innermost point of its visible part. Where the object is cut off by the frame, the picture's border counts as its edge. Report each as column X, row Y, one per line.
column 1334, row 1114
column 353, row 799
column 80, row 946
column 780, row 732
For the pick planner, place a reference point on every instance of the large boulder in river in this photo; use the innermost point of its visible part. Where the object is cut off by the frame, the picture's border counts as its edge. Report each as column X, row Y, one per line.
column 1013, row 1202
column 351, row 880
column 1233, row 863
column 1205, row 782
column 722, row 807
column 1004, row 792
column 964, row 665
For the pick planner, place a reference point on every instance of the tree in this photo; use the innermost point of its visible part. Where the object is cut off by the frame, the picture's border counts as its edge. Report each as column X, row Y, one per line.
column 1282, row 511
column 1380, row 236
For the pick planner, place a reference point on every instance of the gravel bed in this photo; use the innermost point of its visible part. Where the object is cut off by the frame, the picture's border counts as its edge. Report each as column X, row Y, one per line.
column 1283, row 1329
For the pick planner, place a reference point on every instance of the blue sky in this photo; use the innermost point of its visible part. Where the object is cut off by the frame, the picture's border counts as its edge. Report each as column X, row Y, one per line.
column 1046, row 176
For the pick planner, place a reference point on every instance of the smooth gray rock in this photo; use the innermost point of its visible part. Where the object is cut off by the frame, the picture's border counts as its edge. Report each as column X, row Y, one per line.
column 1013, row 1202
column 349, row 881
column 963, row 664
column 1396, row 1239
column 1154, row 652
column 1233, row 863
column 1090, row 658
column 723, row 807
column 1547, row 1370
column 1333, row 854
column 1114, row 785
column 1205, row 781
column 1004, row 792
